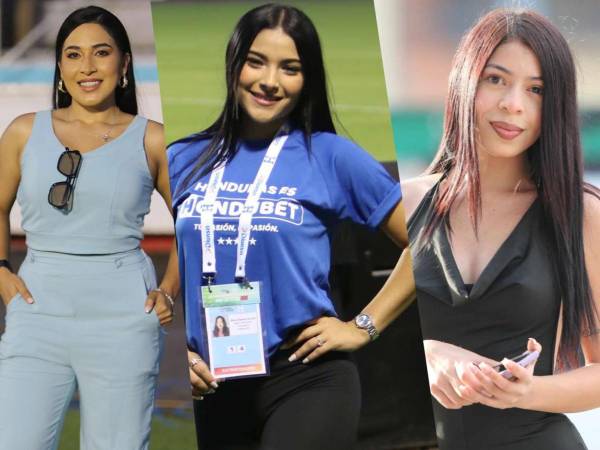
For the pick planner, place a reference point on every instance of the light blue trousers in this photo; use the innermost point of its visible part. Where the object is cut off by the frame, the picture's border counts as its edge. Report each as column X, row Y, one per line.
column 87, row 328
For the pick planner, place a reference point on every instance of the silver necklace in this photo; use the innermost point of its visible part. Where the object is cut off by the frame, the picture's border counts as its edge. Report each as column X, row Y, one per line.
column 104, row 136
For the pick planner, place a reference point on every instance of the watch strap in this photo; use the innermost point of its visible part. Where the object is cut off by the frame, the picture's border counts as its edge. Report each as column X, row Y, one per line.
column 364, row 322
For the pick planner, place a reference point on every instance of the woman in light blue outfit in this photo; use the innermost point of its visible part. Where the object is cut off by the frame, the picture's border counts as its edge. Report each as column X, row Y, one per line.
column 84, row 309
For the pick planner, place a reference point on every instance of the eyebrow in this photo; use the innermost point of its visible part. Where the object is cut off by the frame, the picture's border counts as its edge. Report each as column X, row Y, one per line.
column 77, row 47
column 261, row 55
column 505, row 70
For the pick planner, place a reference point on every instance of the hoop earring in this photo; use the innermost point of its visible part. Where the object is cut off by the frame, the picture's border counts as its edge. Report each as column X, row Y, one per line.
column 60, row 86
column 123, row 82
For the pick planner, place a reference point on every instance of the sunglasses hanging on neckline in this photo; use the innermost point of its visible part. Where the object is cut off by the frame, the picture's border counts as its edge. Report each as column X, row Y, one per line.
column 60, row 194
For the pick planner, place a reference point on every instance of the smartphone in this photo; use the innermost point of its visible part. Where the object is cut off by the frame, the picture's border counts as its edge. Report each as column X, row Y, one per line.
column 524, row 359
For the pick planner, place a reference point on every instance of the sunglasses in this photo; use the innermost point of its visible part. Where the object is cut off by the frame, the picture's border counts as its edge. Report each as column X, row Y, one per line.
column 61, row 193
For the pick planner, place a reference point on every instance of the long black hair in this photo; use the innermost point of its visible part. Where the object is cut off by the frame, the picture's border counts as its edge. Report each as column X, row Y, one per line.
column 216, row 328
column 125, row 98
column 555, row 158
column 311, row 114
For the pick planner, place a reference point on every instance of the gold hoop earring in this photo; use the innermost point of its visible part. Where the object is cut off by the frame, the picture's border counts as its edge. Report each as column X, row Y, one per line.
column 61, row 87
column 123, row 82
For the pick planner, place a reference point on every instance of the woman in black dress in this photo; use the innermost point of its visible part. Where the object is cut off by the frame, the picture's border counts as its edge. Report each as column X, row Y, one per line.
column 504, row 254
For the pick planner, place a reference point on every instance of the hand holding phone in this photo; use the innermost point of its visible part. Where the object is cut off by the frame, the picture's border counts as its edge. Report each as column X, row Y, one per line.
column 525, row 359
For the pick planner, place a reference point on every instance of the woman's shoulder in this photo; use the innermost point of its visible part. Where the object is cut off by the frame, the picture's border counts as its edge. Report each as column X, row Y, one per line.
column 331, row 141
column 415, row 189
column 18, row 131
column 339, row 151
column 184, row 151
column 154, row 140
column 591, row 237
column 155, row 134
column 194, row 141
column 22, row 125
column 591, row 210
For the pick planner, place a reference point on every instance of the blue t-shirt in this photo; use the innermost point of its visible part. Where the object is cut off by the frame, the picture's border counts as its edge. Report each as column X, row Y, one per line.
column 307, row 194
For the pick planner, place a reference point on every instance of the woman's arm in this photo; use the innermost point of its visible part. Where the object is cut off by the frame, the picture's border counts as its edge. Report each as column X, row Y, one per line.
column 573, row 391
column 329, row 333
column 154, row 143
column 398, row 292
column 12, row 144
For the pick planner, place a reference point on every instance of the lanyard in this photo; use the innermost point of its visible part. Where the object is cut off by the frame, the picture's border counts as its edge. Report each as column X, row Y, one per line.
column 207, row 210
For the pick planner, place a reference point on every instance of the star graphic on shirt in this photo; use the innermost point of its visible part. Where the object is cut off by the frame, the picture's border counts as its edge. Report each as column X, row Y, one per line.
column 236, row 241
column 221, row 241
column 252, row 241
column 229, row 241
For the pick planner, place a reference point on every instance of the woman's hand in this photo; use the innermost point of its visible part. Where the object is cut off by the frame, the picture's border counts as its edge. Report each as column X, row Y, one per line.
column 11, row 285
column 501, row 392
column 201, row 379
column 158, row 301
column 324, row 335
column 448, row 366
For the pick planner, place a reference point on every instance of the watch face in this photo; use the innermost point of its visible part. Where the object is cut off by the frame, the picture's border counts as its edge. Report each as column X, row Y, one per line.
column 363, row 320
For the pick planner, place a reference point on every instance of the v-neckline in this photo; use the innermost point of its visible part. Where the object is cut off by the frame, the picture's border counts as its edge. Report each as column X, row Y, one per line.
column 96, row 149
column 515, row 243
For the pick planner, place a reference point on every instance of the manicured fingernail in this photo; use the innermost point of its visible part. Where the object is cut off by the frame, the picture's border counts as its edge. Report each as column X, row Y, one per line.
column 197, row 397
column 305, row 361
column 292, row 358
column 214, row 384
column 30, row 300
column 148, row 309
column 212, row 391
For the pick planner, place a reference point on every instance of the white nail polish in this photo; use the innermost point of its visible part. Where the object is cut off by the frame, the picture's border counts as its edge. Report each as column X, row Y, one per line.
column 292, row 358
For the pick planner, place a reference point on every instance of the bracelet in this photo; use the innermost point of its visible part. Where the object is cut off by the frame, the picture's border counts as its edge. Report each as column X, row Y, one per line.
column 6, row 263
column 167, row 296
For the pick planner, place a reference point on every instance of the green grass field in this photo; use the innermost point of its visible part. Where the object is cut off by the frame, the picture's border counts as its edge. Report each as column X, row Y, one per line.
column 190, row 46
column 169, row 432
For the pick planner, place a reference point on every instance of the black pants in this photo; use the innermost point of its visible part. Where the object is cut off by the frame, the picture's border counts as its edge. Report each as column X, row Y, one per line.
column 299, row 406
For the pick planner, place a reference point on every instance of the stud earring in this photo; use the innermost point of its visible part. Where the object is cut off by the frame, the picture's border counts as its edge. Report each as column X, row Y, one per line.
column 61, row 87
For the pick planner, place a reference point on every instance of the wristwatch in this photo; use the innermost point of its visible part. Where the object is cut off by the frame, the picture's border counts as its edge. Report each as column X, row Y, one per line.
column 364, row 322
column 5, row 263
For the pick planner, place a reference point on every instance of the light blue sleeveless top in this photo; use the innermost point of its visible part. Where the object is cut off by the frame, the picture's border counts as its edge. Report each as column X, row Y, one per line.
column 111, row 197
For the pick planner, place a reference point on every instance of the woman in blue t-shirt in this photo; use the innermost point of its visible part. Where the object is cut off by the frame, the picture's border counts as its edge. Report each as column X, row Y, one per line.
column 276, row 93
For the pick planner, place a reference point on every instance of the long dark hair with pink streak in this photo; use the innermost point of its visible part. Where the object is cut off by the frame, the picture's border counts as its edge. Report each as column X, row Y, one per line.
column 555, row 158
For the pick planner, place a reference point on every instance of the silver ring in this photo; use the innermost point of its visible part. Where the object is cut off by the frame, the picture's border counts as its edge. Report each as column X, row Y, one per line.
column 193, row 362
column 320, row 342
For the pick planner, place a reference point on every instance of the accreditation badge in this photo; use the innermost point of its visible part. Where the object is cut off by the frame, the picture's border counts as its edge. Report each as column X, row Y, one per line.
column 234, row 328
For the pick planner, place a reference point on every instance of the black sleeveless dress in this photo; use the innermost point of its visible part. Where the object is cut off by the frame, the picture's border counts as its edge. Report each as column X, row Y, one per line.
column 515, row 298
